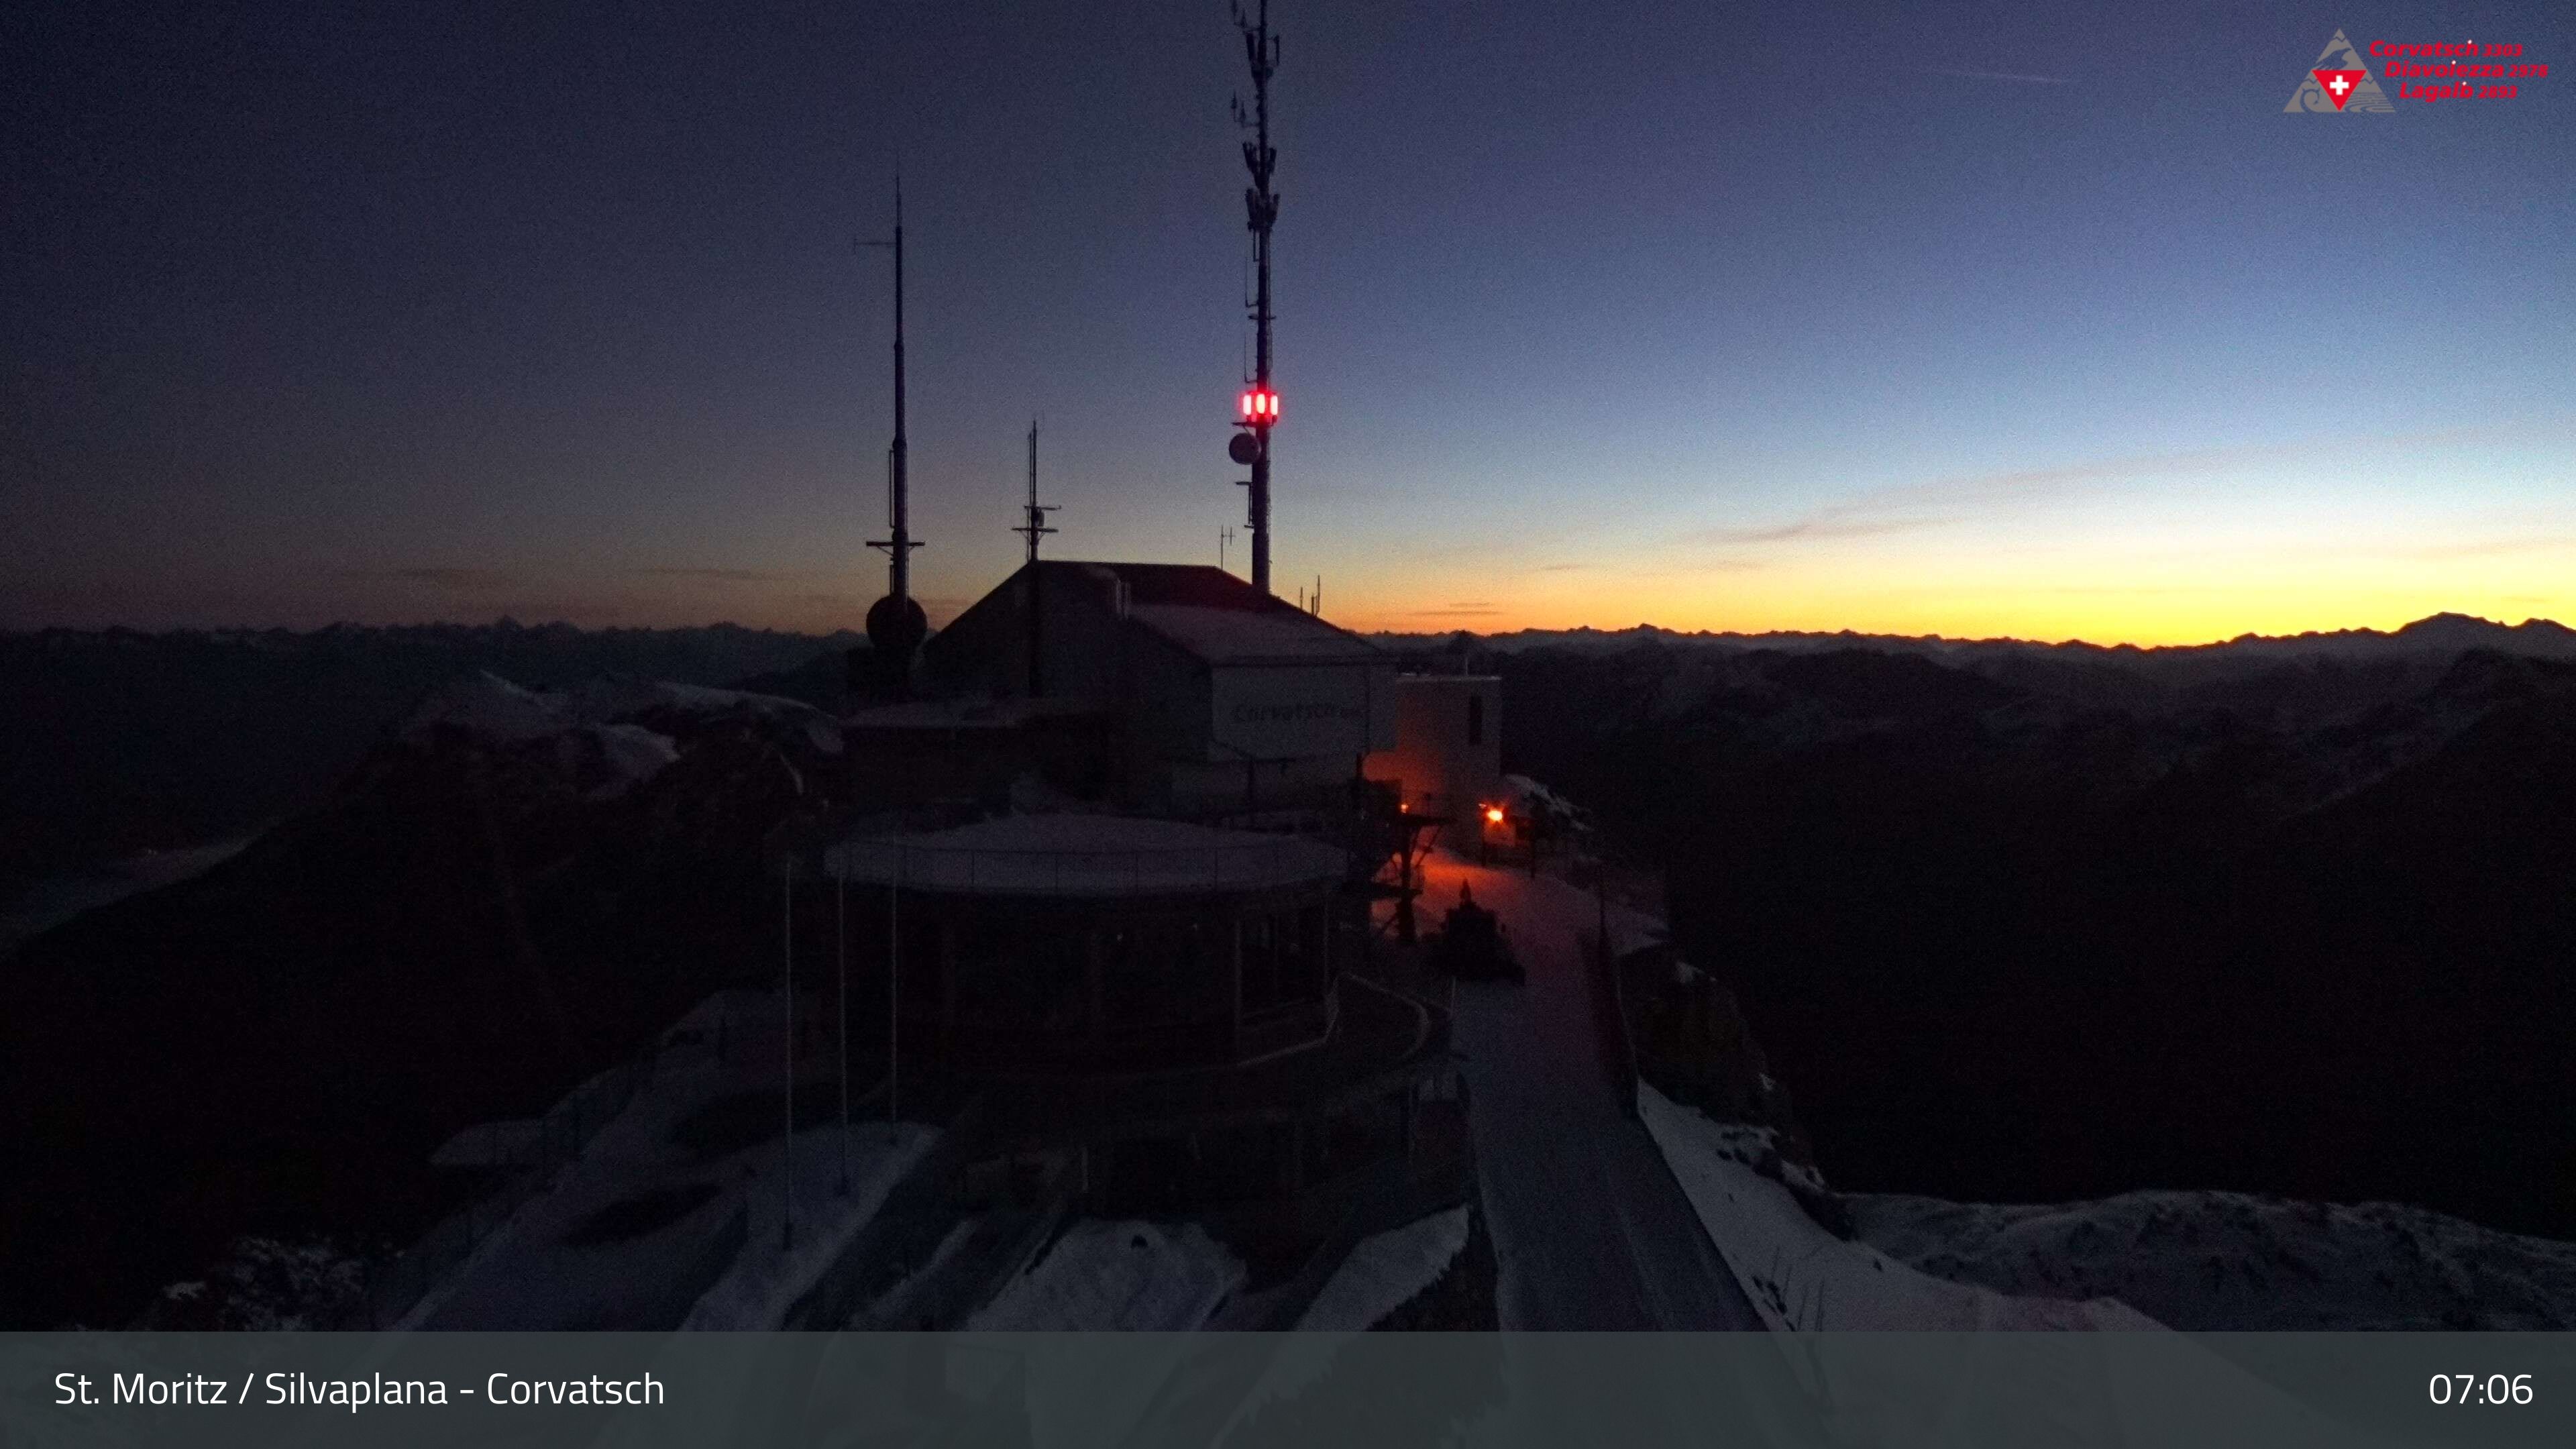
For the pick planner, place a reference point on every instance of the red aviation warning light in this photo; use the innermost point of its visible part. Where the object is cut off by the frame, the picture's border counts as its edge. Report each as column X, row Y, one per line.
column 1259, row 407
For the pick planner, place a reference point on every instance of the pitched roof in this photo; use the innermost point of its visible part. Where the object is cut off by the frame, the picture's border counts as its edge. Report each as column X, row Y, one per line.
column 1220, row 618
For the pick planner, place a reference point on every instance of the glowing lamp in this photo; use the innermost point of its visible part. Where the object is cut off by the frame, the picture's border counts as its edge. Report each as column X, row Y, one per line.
column 1494, row 814
column 1259, row 407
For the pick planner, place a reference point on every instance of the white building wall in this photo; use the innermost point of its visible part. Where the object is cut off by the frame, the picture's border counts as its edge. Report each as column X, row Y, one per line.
column 1447, row 758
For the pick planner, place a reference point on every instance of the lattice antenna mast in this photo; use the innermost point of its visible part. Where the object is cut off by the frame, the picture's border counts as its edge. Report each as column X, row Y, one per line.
column 1035, row 512
column 896, row 624
column 1260, row 408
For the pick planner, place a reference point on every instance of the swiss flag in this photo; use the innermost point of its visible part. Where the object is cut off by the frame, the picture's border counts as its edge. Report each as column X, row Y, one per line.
column 2339, row 83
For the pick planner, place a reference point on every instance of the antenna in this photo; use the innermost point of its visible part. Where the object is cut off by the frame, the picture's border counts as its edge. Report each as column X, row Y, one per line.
column 1035, row 529
column 896, row 624
column 1035, row 512
column 1260, row 410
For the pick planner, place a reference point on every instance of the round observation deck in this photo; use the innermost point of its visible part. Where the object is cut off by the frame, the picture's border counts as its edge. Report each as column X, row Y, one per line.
column 1100, row 856
column 1040, row 944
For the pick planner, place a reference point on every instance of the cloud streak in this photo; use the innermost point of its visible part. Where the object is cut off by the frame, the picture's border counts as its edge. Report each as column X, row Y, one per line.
column 1932, row 503
column 438, row 577
column 1823, row 524
column 716, row 575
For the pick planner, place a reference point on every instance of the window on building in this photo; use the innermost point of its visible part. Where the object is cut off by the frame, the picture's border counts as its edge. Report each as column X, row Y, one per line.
column 1475, row 719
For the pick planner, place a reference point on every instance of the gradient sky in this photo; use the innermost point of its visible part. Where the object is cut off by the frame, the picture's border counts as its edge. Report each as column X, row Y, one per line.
column 2036, row 319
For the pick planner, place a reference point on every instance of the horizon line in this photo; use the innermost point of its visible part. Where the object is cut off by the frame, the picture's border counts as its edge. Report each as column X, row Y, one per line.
column 1641, row 627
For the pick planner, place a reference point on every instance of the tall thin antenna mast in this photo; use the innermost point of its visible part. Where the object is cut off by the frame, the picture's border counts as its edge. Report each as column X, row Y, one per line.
column 896, row 624
column 1036, row 512
column 1261, row 204
column 1033, row 530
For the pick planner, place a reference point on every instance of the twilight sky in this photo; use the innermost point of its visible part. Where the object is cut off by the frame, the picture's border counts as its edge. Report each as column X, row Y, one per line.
column 2032, row 318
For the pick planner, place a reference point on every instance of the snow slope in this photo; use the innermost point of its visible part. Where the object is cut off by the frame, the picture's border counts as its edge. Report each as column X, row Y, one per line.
column 553, row 1266
column 1802, row 1277
column 767, row 1279
column 606, row 718
column 1386, row 1271
column 1118, row 1275
column 49, row 903
column 2223, row 1260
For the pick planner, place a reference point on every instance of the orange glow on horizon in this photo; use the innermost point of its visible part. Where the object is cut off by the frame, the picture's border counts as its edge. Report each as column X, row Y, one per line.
column 2077, row 594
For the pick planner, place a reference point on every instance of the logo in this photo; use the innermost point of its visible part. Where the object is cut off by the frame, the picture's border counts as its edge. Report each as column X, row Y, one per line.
column 2340, row 83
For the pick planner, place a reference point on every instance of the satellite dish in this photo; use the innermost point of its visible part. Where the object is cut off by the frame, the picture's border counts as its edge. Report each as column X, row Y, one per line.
column 897, row 632
column 1243, row 449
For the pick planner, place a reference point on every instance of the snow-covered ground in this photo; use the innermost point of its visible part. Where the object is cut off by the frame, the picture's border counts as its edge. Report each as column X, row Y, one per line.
column 50, row 902
column 2163, row 1388
column 2182, row 1259
column 641, row 1210
column 2223, row 1260
column 1386, row 1271
column 1118, row 1275
column 756, row 1292
column 1803, row 1278
column 1094, row 1389
column 602, row 717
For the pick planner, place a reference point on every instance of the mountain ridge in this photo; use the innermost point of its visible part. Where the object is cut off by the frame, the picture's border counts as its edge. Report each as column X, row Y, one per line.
column 2439, row 631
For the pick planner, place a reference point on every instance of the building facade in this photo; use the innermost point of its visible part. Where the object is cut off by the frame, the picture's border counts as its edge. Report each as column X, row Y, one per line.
column 1446, row 762
column 1226, row 702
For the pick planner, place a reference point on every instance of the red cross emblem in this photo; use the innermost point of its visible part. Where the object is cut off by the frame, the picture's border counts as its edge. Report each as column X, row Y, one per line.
column 2339, row 83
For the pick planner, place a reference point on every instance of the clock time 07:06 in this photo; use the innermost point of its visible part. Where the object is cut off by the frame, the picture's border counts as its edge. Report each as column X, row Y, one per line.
column 2481, row 1389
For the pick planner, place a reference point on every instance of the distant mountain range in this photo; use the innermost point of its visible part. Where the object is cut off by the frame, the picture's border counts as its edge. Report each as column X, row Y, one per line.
column 2437, row 632
column 122, row 741
column 135, row 742
column 509, row 891
column 2016, row 922
column 2020, row 923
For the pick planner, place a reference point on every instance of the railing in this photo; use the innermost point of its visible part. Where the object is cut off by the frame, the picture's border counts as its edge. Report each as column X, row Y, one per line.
column 1373, row 1199
column 1609, row 993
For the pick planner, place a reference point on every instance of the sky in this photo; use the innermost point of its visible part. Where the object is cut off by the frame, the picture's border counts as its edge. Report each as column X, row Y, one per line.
column 2028, row 319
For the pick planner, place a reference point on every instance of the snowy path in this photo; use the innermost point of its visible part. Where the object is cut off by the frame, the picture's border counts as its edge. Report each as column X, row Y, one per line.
column 1590, row 1229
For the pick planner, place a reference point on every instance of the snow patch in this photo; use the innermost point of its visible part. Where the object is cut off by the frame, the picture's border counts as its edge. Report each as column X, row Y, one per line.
column 1386, row 1271
column 513, row 1143
column 486, row 704
column 1529, row 796
column 633, row 755
column 762, row 1284
column 1118, row 1275
column 650, row 1208
column 605, row 699
column 1802, row 1278
column 597, row 721
column 48, row 903
column 2228, row 1261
